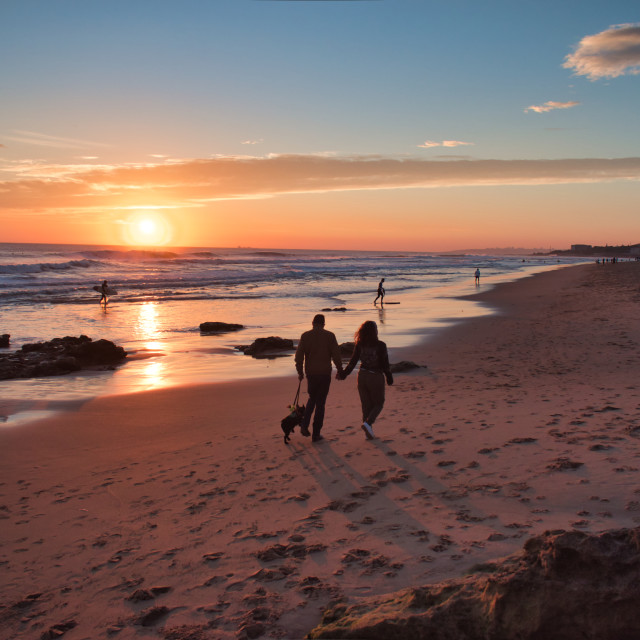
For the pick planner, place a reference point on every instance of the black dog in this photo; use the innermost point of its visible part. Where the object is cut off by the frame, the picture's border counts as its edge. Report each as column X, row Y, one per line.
column 293, row 420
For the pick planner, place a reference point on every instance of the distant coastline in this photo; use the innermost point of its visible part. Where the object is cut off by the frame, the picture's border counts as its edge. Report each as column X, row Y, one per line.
column 585, row 250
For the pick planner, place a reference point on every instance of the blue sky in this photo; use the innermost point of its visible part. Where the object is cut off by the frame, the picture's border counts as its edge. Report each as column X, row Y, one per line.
column 123, row 84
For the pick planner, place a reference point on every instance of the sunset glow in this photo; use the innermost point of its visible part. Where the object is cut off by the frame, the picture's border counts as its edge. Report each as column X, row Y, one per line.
column 147, row 229
column 388, row 148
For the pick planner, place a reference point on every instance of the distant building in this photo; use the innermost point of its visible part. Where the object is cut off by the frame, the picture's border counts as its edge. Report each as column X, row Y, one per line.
column 581, row 247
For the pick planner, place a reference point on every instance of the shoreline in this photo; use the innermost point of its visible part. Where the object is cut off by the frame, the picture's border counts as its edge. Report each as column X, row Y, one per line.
column 191, row 358
column 525, row 420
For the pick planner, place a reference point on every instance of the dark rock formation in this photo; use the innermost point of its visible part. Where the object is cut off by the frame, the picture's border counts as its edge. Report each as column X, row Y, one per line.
column 347, row 348
column 267, row 347
column 219, row 327
column 59, row 356
column 335, row 309
column 4, row 340
column 405, row 365
column 563, row 585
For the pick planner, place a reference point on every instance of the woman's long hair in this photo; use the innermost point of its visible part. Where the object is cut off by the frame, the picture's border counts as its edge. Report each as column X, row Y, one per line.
column 367, row 334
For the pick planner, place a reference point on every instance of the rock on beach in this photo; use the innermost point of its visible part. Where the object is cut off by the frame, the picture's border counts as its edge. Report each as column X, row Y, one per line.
column 59, row 357
column 405, row 365
column 347, row 348
column 267, row 347
column 219, row 327
column 563, row 584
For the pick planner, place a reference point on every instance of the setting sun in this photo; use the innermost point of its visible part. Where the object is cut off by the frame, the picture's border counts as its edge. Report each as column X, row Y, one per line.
column 147, row 228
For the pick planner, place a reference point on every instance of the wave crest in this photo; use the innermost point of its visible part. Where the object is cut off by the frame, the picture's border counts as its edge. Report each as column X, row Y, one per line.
column 40, row 267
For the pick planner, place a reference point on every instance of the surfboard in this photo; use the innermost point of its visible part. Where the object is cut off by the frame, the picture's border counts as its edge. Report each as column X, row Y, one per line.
column 109, row 292
column 385, row 302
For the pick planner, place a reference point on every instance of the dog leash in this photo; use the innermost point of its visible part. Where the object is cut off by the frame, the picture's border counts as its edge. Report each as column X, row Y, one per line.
column 295, row 400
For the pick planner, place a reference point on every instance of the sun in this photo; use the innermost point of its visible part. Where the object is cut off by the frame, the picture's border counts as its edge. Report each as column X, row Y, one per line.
column 147, row 228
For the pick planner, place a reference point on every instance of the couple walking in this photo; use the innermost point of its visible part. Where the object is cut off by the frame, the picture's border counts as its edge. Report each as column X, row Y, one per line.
column 318, row 348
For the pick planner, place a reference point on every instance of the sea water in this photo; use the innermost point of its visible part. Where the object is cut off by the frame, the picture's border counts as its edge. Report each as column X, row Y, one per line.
column 46, row 291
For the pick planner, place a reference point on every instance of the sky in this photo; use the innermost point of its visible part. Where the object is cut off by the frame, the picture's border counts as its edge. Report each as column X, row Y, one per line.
column 416, row 125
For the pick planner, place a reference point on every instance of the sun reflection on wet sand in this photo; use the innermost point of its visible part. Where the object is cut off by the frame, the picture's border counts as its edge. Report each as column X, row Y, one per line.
column 146, row 326
column 153, row 375
column 152, row 372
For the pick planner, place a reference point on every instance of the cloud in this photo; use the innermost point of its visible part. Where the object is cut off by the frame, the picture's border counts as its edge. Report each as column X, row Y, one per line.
column 428, row 144
column 196, row 182
column 45, row 140
column 608, row 54
column 550, row 106
column 253, row 141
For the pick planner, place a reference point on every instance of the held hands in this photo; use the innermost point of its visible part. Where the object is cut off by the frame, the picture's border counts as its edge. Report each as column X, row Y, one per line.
column 340, row 375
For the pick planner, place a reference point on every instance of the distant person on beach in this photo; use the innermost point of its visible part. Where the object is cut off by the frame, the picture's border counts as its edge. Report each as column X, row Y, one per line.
column 477, row 275
column 103, row 289
column 316, row 350
column 380, row 293
column 374, row 368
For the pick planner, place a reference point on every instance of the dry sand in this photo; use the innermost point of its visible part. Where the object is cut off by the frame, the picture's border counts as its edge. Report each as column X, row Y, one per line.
column 181, row 514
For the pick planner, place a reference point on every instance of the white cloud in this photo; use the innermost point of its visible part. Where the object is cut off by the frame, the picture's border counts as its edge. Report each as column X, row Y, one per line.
column 260, row 141
column 608, row 54
column 429, row 144
column 45, row 140
column 550, row 106
column 456, row 143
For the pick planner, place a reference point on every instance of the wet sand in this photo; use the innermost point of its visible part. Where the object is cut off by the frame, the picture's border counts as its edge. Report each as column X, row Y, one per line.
column 180, row 513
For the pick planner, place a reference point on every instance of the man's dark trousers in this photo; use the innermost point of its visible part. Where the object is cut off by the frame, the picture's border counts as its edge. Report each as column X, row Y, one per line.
column 318, row 389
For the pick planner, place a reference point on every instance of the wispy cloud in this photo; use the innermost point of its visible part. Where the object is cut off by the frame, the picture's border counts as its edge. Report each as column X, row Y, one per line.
column 550, row 106
column 429, row 144
column 45, row 140
column 260, row 141
column 192, row 183
column 608, row 54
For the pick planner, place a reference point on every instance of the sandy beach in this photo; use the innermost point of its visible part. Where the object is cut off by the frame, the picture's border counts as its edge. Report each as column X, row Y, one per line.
column 181, row 514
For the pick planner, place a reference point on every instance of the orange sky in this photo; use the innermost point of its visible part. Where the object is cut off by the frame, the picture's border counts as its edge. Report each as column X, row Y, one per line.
column 320, row 202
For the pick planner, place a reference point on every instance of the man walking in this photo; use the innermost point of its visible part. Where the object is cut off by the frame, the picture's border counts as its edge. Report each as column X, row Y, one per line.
column 316, row 349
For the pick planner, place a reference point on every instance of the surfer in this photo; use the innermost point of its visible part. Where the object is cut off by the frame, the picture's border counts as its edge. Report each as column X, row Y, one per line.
column 103, row 291
column 477, row 276
column 380, row 293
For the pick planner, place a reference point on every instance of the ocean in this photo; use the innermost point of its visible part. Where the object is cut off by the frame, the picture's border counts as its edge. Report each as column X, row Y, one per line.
column 46, row 291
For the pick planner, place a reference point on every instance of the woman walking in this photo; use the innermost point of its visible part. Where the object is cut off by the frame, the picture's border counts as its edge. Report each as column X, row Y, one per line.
column 374, row 368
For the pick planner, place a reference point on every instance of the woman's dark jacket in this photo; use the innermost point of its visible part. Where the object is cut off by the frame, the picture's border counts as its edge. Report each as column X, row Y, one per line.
column 373, row 358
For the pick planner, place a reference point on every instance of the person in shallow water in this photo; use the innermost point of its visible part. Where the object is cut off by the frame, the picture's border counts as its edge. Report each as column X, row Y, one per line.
column 380, row 293
column 374, row 369
column 103, row 288
column 316, row 350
